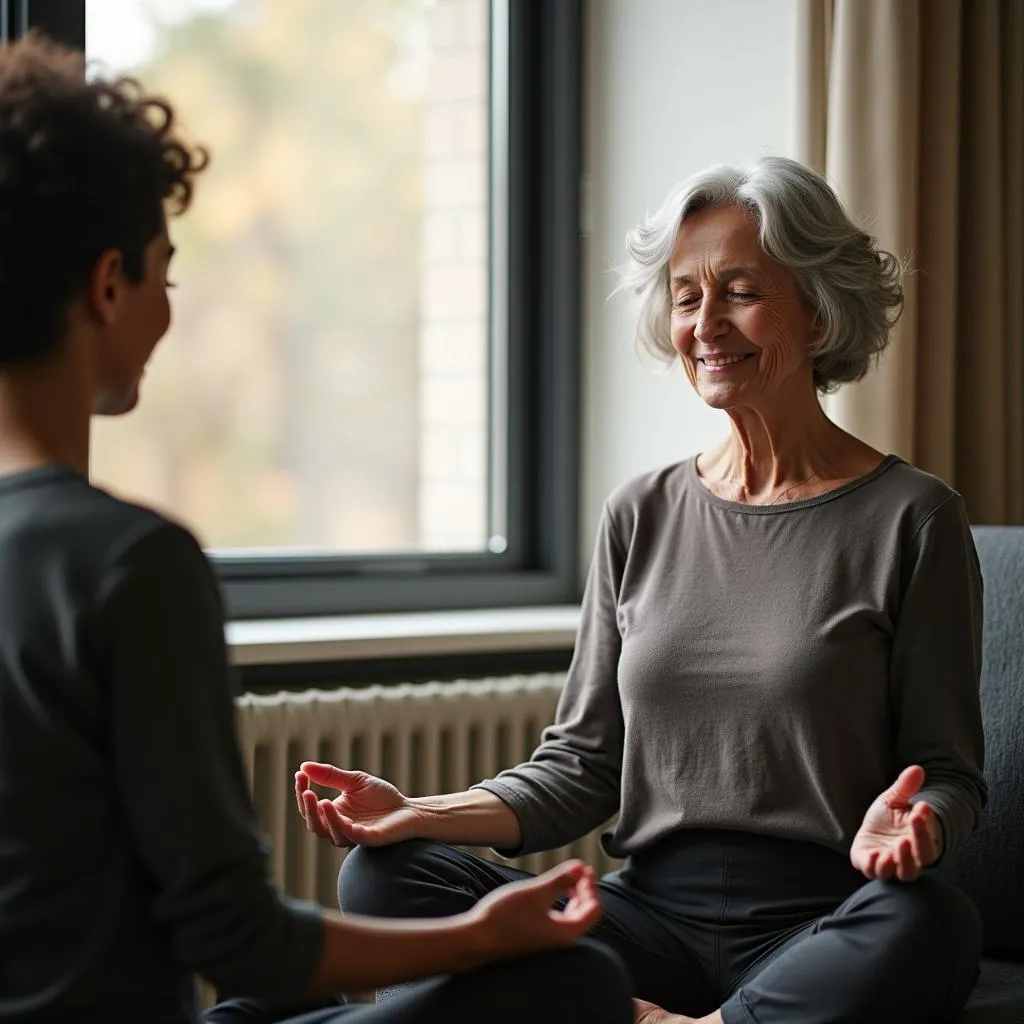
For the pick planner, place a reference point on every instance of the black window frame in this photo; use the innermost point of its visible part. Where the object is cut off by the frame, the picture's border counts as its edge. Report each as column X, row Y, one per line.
column 542, row 255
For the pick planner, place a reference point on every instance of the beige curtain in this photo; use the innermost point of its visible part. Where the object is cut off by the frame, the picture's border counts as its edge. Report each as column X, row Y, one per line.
column 914, row 109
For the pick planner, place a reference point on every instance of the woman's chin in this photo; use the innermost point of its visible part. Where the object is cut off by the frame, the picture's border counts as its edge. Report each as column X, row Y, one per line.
column 720, row 396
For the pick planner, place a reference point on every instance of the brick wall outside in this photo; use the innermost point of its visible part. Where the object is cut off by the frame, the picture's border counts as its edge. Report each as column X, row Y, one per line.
column 454, row 329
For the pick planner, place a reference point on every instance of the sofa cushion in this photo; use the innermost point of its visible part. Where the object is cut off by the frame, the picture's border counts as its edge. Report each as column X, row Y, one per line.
column 990, row 866
column 998, row 997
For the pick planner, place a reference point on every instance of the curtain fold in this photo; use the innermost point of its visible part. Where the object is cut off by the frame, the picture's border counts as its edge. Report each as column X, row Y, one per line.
column 915, row 112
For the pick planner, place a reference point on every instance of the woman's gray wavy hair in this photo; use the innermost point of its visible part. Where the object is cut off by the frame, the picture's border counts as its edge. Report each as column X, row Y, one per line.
column 852, row 286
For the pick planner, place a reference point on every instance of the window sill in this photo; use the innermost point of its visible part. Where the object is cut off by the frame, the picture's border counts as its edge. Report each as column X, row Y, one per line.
column 409, row 635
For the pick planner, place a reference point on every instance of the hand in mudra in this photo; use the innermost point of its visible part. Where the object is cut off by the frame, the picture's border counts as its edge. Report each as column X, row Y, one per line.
column 369, row 811
column 520, row 916
column 898, row 839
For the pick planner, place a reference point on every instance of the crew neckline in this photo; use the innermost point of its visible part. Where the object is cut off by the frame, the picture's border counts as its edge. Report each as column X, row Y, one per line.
column 38, row 475
column 789, row 506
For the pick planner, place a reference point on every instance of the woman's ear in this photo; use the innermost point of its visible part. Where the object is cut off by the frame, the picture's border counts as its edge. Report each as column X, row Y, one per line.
column 106, row 287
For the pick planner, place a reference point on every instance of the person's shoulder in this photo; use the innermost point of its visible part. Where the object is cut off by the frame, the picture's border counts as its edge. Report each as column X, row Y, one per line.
column 652, row 493
column 136, row 537
column 64, row 540
column 89, row 530
column 663, row 484
column 919, row 494
column 111, row 525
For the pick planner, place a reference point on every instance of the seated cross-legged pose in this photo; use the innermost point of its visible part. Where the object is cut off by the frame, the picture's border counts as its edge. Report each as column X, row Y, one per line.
column 129, row 854
column 775, row 681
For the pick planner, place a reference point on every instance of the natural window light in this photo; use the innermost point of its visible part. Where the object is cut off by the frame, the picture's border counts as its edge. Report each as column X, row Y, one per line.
column 325, row 385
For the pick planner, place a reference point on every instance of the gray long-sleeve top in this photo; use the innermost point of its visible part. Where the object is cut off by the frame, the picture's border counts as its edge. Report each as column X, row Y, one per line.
column 129, row 851
column 769, row 669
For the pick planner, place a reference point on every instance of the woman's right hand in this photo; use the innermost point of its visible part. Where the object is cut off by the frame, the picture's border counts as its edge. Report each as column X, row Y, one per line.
column 369, row 811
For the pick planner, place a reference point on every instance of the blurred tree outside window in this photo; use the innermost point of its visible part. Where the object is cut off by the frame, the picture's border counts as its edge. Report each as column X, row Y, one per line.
column 323, row 386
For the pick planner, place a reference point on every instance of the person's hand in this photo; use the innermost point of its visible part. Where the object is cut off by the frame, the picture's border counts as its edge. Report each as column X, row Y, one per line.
column 650, row 1013
column 369, row 811
column 897, row 839
column 519, row 918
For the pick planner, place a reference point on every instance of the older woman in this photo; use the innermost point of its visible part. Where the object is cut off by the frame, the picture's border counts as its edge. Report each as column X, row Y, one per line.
column 775, row 681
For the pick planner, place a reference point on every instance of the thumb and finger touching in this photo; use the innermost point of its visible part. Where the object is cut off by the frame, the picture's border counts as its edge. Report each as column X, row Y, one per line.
column 329, row 775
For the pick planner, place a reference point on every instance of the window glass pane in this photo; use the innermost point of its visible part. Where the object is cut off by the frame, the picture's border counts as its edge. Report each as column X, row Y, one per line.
column 324, row 384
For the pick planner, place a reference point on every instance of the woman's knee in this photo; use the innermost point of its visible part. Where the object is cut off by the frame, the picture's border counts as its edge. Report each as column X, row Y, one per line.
column 933, row 916
column 375, row 880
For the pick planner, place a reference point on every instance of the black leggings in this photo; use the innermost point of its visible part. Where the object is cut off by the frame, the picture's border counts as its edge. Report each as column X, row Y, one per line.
column 768, row 930
column 584, row 983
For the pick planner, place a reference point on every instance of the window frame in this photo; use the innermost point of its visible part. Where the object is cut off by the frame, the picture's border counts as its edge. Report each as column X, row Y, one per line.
column 540, row 259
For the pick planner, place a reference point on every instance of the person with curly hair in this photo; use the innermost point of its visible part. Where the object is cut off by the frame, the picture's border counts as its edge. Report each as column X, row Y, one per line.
column 129, row 853
column 775, row 685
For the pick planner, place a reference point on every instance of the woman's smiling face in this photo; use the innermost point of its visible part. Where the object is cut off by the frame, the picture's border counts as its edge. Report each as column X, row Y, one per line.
column 739, row 322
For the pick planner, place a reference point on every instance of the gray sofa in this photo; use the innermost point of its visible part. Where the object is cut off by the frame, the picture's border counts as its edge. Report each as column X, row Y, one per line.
column 990, row 867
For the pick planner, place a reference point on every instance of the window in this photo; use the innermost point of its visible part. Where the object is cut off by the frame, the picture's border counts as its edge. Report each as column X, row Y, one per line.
column 368, row 398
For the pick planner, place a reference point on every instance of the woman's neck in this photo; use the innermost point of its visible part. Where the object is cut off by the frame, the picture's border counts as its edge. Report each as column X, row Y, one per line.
column 780, row 454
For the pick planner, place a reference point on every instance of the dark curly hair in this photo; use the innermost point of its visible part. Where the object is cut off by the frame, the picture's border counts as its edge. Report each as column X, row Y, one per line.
column 85, row 167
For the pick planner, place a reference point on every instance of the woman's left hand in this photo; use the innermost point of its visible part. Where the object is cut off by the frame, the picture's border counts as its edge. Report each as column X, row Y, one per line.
column 898, row 839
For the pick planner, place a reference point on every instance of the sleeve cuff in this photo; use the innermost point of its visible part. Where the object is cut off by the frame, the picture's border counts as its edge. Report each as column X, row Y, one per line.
column 945, row 815
column 305, row 946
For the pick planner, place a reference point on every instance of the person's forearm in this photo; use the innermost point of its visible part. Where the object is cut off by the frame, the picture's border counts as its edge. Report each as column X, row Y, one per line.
column 473, row 818
column 361, row 953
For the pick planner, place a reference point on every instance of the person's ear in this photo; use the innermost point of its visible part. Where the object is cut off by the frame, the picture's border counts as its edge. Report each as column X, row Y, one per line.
column 106, row 288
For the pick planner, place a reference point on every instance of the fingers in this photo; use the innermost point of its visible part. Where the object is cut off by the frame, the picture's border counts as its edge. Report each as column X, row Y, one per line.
column 523, row 917
column 925, row 832
column 885, row 866
column 311, row 812
column 907, row 868
column 910, row 780
column 644, row 1011
column 343, row 831
column 583, row 911
column 559, row 880
column 329, row 775
column 339, row 828
column 903, row 862
column 306, row 800
column 869, row 864
column 876, row 864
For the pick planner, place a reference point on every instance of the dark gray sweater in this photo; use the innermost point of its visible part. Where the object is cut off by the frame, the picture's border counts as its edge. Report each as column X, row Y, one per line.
column 769, row 669
column 129, row 852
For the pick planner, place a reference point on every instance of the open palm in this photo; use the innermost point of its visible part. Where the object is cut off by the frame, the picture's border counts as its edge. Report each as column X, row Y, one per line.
column 898, row 839
column 368, row 812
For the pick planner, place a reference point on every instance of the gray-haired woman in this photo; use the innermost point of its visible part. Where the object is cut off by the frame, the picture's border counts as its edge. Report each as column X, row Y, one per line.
column 775, row 682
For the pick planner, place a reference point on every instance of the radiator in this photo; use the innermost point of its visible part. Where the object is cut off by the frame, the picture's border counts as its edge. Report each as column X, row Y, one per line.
column 425, row 738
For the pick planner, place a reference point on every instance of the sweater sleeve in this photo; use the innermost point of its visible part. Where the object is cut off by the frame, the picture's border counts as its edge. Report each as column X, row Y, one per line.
column 571, row 784
column 180, row 779
column 936, row 671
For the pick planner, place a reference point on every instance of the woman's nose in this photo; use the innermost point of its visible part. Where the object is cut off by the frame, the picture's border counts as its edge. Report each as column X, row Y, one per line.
column 710, row 322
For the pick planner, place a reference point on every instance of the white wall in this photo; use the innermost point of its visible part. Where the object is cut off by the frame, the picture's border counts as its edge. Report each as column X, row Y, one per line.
column 672, row 86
